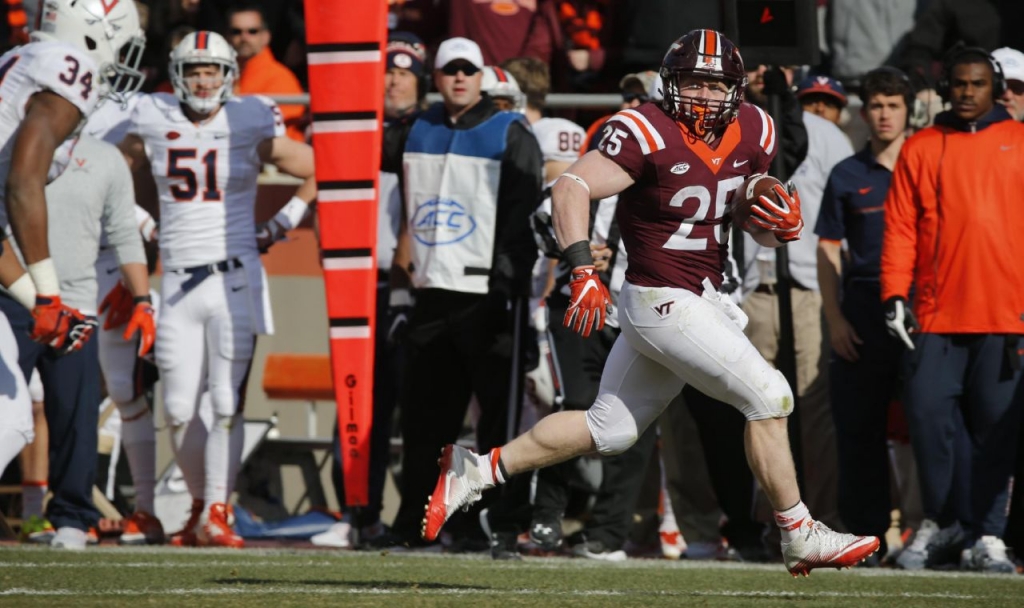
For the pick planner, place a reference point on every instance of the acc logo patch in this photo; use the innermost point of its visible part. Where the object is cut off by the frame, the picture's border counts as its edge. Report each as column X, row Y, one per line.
column 441, row 222
column 680, row 168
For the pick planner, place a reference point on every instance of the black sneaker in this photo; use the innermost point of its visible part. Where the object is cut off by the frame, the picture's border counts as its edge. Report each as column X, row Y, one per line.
column 503, row 545
column 546, row 534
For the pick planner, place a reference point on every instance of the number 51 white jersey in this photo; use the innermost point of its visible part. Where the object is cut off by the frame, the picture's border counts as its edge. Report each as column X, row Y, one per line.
column 205, row 175
column 42, row 66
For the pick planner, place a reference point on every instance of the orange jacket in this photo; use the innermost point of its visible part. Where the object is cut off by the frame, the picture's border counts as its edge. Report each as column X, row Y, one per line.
column 954, row 227
column 264, row 75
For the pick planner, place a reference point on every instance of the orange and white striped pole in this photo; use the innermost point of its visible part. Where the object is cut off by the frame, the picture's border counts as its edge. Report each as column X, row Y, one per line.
column 345, row 46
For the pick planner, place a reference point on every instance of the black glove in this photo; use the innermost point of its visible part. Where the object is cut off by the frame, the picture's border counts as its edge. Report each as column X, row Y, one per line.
column 400, row 304
column 900, row 320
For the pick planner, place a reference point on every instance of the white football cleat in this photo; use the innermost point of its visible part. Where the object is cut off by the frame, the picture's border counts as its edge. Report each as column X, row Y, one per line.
column 459, row 486
column 818, row 546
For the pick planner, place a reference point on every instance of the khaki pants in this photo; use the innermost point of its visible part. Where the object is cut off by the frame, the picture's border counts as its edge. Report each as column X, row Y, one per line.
column 820, row 461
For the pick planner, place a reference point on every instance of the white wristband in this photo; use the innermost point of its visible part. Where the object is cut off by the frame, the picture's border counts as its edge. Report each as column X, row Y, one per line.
column 292, row 213
column 44, row 275
column 577, row 179
column 24, row 291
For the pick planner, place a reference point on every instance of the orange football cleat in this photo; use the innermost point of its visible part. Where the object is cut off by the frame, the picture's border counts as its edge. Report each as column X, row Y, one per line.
column 142, row 528
column 217, row 532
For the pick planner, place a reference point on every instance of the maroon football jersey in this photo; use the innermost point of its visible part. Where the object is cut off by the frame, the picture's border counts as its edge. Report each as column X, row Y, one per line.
column 672, row 219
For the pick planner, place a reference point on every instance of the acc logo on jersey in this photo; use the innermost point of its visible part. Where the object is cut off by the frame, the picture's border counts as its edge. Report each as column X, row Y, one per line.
column 441, row 222
column 680, row 168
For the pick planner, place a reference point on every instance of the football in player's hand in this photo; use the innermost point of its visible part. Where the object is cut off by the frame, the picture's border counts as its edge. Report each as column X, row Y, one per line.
column 746, row 195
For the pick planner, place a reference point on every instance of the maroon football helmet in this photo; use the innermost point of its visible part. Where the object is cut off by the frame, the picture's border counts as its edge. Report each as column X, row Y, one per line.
column 707, row 54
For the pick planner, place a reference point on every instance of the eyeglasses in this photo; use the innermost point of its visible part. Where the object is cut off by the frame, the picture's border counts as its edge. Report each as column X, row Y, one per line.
column 1016, row 87
column 631, row 97
column 252, row 31
column 451, row 69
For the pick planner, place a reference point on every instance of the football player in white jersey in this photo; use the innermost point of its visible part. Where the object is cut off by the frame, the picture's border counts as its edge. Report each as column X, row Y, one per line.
column 83, row 50
column 204, row 149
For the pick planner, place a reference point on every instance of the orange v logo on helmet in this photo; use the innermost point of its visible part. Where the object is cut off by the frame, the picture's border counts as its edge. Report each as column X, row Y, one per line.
column 108, row 7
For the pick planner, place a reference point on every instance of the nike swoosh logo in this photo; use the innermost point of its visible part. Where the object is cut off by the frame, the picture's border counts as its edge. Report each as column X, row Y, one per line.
column 220, row 135
column 239, row 288
column 1005, row 148
column 864, row 190
column 588, row 286
column 737, row 163
column 112, row 270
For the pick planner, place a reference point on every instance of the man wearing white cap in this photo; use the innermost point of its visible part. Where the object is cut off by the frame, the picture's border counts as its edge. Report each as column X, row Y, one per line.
column 1012, row 61
column 465, row 255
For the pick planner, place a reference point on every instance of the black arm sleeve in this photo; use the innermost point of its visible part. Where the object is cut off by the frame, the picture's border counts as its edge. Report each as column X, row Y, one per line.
column 515, row 250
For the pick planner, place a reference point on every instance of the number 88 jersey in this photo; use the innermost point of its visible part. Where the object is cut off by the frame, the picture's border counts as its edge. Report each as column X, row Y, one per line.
column 43, row 66
column 672, row 218
column 205, row 175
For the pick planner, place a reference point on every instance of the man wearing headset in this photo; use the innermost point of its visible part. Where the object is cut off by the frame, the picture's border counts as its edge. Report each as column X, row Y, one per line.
column 953, row 225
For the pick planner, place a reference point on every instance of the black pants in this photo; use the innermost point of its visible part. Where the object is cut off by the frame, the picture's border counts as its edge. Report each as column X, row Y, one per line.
column 72, row 398
column 978, row 376
column 386, row 381
column 458, row 345
column 861, row 393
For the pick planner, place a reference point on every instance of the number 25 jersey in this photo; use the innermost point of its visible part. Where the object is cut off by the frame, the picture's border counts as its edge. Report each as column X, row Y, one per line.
column 42, row 66
column 205, row 175
column 673, row 217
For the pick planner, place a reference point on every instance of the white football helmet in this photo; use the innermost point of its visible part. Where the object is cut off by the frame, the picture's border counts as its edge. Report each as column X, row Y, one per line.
column 203, row 48
column 498, row 82
column 106, row 30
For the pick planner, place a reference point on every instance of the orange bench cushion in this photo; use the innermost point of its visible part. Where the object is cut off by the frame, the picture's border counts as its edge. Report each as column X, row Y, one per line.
column 292, row 376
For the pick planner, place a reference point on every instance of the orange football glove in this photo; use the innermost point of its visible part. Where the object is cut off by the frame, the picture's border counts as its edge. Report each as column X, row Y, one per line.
column 588, row 303
column 60, row 326
column 117, row 305
column 780, row 214
column 144, row 322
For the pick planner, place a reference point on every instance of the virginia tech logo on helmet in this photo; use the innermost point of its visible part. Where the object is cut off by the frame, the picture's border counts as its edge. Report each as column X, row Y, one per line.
column 441, row 222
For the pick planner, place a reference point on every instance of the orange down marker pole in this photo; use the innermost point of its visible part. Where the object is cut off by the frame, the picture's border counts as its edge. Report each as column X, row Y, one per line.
column 345, row 42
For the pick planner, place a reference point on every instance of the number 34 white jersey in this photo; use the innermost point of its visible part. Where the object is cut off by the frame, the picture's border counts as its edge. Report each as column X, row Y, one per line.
column 42, row 66
column 205, row 175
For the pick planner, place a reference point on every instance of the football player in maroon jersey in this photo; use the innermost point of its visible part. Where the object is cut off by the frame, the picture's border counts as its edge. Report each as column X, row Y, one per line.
column 674, row 166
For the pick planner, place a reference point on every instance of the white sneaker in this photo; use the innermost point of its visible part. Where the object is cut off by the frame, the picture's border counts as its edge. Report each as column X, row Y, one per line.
column 988, row 555
column 459, row 485
column 337, row 536
column 69, row 538
column 818, row 546
column 915, row 555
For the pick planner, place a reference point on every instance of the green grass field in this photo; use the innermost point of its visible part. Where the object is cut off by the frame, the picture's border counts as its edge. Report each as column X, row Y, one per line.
column 309, row 577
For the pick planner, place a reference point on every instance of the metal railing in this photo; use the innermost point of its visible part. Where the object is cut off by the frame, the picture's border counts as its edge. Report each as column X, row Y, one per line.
column 553, row 101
